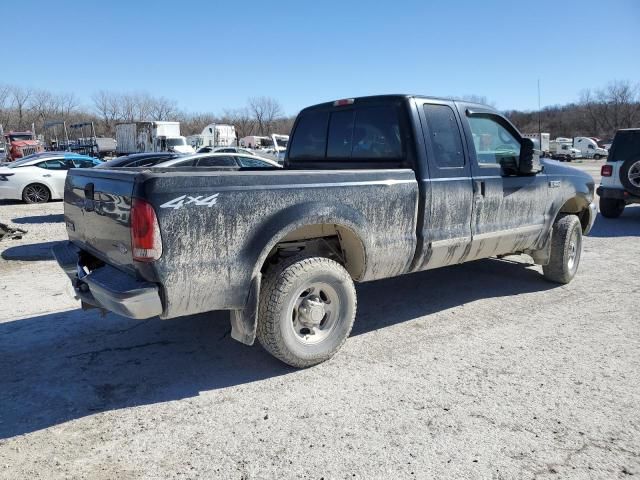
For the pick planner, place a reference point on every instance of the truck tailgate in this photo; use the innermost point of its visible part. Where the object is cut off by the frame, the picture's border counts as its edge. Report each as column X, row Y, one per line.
column 97, row 205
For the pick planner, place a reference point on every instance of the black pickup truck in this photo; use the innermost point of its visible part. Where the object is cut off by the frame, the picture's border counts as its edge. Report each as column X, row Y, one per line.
column 372, row 187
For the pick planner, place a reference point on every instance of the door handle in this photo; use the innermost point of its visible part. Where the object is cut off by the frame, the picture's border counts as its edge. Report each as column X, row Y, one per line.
column 479, row 188
column 46, row 175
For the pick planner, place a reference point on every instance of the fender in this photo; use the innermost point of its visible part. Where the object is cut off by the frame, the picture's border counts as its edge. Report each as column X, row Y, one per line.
column 244, row 322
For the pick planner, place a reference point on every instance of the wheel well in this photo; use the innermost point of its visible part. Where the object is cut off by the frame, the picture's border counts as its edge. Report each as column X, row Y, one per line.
column 333, row 241
column 577, row 206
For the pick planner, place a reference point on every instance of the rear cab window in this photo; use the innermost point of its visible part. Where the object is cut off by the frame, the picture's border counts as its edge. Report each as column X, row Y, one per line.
column 371, row 135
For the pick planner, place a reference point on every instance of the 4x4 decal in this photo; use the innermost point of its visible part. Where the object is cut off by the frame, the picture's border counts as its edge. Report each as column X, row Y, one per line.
column 183, row 200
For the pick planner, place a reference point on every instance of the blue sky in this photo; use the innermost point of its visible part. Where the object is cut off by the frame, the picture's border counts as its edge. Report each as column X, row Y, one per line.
column 210, row 55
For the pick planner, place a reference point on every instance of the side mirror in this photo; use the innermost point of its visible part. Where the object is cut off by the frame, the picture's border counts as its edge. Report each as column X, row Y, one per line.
column 529, row 163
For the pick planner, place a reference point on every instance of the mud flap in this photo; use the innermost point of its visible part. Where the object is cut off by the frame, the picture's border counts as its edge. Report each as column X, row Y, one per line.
column 245, row 321
column 542, row 256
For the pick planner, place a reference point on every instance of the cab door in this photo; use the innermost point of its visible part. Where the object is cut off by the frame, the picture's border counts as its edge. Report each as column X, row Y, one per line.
column 509, row 210
column 447, row 189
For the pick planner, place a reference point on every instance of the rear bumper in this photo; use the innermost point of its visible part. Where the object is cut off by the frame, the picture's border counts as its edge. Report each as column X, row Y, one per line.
column 109, row 288
column 617, row 194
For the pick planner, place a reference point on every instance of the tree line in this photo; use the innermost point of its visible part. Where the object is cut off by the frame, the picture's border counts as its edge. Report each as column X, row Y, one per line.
column 597, row 112
column 25, row 108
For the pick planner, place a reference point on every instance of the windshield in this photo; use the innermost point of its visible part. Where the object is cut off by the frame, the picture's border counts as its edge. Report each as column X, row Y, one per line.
column 176, row 142
column 23, row 136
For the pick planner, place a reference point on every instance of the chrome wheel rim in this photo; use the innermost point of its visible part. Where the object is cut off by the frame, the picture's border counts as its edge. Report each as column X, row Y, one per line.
column 313, row 312
column 36, row 193
column 634, row 174
column 575, row 247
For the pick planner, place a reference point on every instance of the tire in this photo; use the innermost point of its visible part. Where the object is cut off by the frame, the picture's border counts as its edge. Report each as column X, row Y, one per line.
column 566, row 250
column 597, row 156
column 36, row 193
column 307, row 309
column 611, row 207
column 630, row 175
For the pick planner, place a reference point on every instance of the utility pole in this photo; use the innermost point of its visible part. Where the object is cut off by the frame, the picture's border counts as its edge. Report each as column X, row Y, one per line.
column 539, row 115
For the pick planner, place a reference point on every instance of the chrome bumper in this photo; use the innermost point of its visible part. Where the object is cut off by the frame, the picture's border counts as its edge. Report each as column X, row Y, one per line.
column 593, row 213
column 107, row 287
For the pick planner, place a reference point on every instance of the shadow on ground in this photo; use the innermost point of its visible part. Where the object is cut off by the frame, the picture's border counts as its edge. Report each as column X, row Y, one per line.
column 627, row 225
column 30, row 252
column 63, row 366
column 38, row 219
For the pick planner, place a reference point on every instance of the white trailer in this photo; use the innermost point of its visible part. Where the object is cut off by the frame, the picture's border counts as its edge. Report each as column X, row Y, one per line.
column 589, row 148
column 540, row 141
column 215, row 135
column 137, row 137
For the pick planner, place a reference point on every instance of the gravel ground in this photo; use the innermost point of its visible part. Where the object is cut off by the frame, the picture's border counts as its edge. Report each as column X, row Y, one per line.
column 480, row 370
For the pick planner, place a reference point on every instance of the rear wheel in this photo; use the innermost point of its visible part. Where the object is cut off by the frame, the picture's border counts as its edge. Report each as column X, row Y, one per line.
column 611, row 207
column 36, row 193
column 597, row 156
column 566, row 250
column 307, row 309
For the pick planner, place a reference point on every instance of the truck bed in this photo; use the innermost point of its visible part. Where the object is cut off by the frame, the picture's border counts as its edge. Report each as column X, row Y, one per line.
column 217, row 227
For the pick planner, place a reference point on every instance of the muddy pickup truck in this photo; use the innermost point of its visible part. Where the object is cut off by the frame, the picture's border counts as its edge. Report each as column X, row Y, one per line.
column 372, row 188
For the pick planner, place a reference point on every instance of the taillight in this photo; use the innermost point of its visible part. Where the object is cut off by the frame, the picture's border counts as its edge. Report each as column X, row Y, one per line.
column 145, row 232
column 606, row 170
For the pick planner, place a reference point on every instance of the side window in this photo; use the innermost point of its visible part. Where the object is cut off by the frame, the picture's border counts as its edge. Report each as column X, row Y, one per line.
column 493, row 143
column 221, row 161
column 310, row 138
column 376, row 134
column 252, row 162
column 55, row 165
column 444, row 134
column 591, row 147
column 84, row 163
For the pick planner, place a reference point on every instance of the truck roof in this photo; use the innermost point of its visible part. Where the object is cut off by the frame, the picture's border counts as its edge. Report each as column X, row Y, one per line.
column 390, row 97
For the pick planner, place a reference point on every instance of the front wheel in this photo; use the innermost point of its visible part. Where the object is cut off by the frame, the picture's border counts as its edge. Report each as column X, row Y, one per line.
column 566, row 250
column 307, row 309
column 597, row 156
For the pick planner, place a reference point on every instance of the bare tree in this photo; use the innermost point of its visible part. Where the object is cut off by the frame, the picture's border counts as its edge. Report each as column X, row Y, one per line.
column 162, row 108
column 106, row 106
column 265, row 111
column 20, row 98
column 242, row 119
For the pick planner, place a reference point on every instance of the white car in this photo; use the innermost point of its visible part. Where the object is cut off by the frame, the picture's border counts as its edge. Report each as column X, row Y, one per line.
column 231, row 160
column 39, row 178
column 226, row 150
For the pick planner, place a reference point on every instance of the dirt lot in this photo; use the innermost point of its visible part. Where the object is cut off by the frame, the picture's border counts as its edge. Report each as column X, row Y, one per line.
column 481, row 370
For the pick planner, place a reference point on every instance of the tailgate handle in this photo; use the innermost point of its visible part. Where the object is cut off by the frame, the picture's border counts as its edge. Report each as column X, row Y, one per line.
column 88, row 197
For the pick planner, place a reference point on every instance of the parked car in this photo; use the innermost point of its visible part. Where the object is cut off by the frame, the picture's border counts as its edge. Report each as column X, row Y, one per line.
column 620, row 185
column 220, row 160
column 147, row 159
column 373, row 187
column 226, row 150
column 39, row 178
